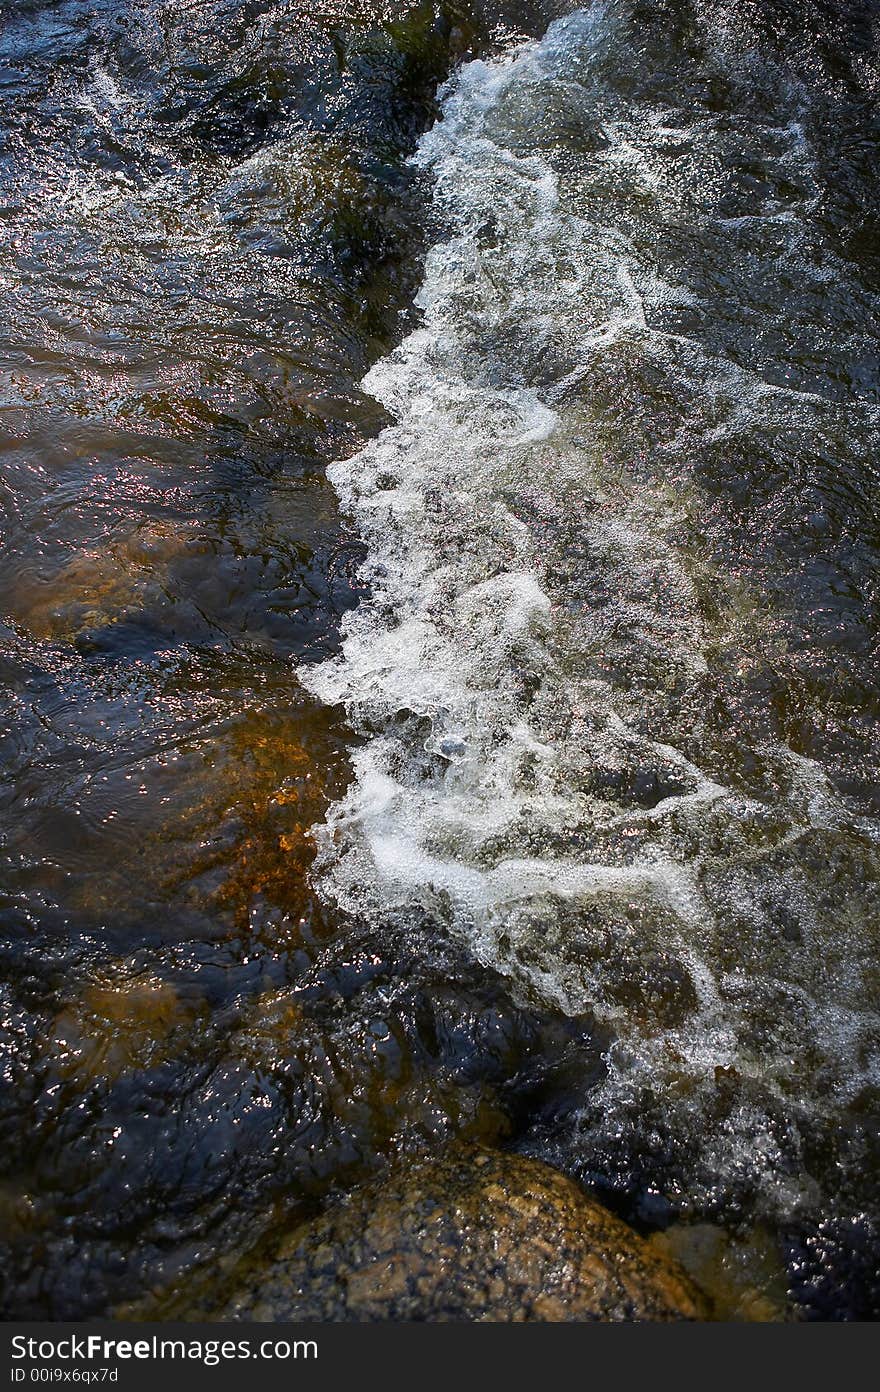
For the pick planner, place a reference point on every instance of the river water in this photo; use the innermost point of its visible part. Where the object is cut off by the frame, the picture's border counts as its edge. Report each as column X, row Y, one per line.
column 439, row 637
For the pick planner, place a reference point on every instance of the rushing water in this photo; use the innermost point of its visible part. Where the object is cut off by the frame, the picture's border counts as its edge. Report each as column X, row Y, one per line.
column 592, row 767
column 618, row 667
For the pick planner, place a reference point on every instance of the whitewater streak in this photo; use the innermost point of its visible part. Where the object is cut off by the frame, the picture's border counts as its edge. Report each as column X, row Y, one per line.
column 530, row 669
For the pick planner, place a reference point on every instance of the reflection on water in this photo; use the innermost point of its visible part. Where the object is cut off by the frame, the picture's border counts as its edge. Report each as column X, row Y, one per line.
column 208, row 233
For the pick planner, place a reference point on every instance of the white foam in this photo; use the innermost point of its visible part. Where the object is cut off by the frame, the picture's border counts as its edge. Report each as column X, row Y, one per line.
column 477, row 666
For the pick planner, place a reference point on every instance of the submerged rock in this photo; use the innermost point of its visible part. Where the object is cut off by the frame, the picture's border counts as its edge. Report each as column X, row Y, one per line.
column 475, row 1235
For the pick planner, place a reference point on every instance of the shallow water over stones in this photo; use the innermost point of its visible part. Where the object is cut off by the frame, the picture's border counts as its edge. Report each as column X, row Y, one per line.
column 210, row 232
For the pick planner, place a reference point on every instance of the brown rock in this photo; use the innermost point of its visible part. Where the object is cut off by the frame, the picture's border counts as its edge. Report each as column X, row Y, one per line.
column 475, row 1235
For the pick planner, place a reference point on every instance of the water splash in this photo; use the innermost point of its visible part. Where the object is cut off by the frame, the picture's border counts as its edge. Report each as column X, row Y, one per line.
column 582, row 673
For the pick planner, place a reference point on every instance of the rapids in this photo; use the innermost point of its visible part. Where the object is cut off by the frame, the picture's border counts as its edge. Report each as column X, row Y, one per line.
column 438, row 625
column 617, row 672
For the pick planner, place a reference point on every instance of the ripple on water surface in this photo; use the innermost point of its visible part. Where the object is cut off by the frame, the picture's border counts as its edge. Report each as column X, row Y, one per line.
column 598, row 843
column 209, row 234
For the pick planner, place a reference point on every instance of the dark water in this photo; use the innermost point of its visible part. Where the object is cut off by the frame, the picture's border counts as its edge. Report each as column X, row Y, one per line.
column 209, row 233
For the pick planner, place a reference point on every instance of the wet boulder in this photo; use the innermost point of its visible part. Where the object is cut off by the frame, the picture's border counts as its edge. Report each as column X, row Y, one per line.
column 474, row 1235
